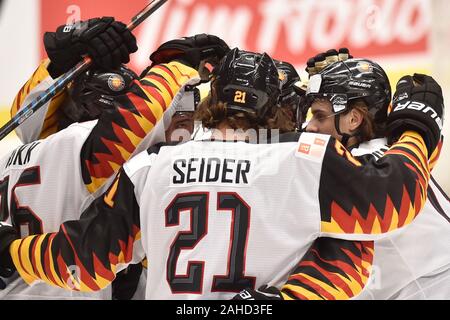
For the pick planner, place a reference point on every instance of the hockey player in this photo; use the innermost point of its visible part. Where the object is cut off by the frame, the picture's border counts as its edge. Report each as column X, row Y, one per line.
column 411, row 264
column 284, row 117
column 106, row 40
column 289, row 101
column 86, row 154
column 228, row 221
column 401, row 271
column 84, row 99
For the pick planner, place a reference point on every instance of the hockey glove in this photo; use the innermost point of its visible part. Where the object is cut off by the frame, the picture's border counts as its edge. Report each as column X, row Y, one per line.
column 126, row 282
column 321, row 61
column 108, row 42
column 418, row 105
column 191, row 50
column 263, row 293
column 7, row 235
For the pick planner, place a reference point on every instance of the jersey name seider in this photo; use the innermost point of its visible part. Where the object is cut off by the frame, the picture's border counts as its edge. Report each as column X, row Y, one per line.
column 211, row 170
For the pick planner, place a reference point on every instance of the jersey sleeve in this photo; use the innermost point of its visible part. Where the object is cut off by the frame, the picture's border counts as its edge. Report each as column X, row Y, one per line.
column 85, row 255
column 43, row 122
column 121, row 129
column 365, row 201
column 332, row 269
column 436, row 154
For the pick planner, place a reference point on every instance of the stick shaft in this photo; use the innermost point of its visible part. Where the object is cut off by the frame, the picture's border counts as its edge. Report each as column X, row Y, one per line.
column 66, row 78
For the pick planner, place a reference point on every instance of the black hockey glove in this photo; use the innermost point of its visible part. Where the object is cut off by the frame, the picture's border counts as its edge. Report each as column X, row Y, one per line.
column 108, row 42
column 263, row 293
column 7, row 235
column 126, row 282
column 418, row 105
column 191, row 50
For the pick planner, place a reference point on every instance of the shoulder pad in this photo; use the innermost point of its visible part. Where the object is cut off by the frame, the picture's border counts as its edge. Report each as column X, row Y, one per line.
column 145, row 158
column 141, row 160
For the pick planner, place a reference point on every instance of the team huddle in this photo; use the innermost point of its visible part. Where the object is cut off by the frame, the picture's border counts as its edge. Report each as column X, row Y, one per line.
column 318, row 191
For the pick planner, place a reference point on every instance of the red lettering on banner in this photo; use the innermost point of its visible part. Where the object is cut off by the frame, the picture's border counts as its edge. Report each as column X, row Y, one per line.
column 292, row 30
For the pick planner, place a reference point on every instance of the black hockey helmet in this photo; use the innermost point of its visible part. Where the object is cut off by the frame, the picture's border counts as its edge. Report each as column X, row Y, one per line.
column 344, row 81
column 288, row 77
column 246, row 82
column 94, row 91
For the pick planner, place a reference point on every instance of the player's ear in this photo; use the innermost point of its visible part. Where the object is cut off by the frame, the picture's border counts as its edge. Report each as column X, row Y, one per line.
column 355, row 119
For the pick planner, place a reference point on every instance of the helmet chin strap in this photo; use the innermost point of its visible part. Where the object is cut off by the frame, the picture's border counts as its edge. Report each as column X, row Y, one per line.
column 345, row 136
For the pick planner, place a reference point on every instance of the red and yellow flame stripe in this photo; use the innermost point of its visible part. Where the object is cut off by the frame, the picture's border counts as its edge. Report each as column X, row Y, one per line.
column 159, row 87
column 74, row 258
column 340, row 276
column 32, row 264
column 413, row 150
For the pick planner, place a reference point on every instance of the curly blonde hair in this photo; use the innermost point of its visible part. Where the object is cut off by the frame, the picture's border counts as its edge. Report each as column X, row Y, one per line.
column 213, row 114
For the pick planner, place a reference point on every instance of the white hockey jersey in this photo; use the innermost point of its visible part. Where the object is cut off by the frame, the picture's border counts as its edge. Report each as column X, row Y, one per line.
column 40, row 189
column 413, row 263
column 50, row 181
column 216, row 217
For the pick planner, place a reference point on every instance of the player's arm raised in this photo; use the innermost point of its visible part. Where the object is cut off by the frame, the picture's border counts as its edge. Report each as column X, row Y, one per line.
column 107, row 41
column 121, row 129
column 362, row 199
column 45, row 121
column 380, row 196
column 370, row 199
column 116, row 214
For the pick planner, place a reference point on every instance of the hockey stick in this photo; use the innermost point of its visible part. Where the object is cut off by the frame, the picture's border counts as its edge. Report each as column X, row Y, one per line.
column 61, row 83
